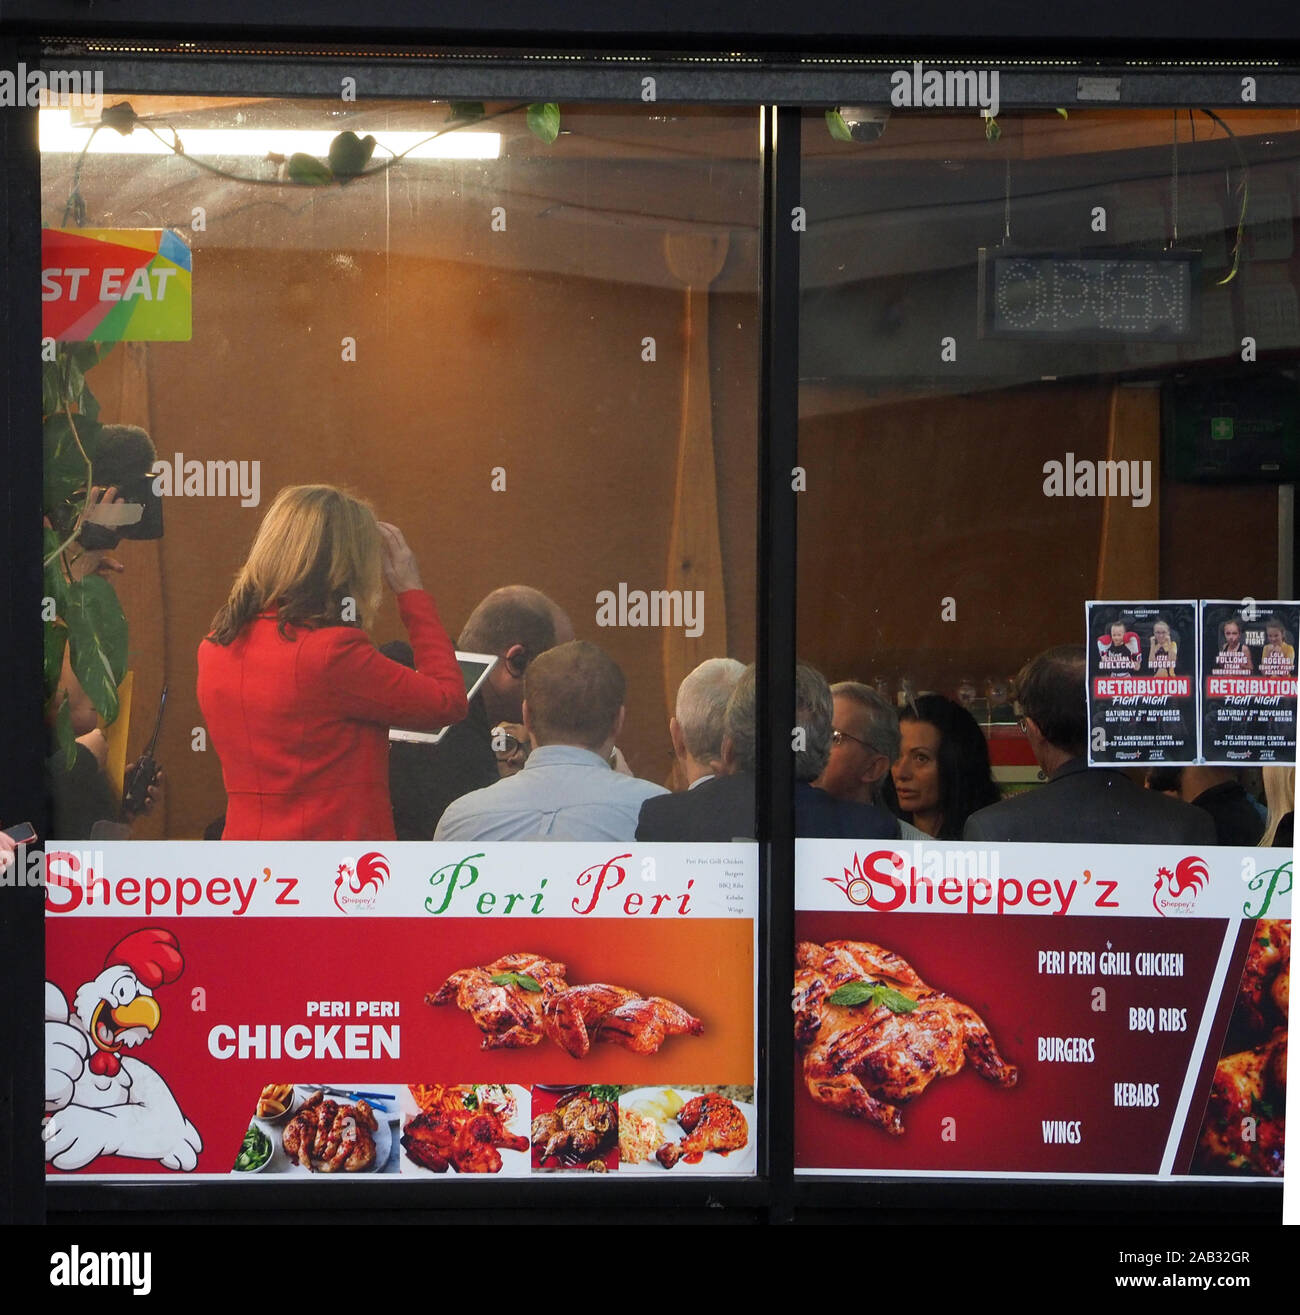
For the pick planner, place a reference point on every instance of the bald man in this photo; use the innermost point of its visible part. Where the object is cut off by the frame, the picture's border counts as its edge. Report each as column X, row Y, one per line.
column 517, row 624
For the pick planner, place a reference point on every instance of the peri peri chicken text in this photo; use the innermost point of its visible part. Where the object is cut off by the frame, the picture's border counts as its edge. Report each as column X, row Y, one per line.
column 359, row 1040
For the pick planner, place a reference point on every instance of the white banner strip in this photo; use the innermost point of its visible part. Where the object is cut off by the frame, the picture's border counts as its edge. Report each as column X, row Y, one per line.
column 516, row 880
column 1121, row 881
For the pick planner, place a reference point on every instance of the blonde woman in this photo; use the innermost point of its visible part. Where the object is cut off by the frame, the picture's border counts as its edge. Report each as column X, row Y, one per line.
column 1279, row 794
column 297, row 698
column 1163, row 657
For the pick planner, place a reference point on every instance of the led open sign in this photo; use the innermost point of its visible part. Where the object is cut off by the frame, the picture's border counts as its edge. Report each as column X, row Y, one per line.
column 1089, row 296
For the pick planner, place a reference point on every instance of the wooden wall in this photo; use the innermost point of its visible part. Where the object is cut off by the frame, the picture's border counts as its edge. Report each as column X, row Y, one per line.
column 913, row 502
column 459, row 368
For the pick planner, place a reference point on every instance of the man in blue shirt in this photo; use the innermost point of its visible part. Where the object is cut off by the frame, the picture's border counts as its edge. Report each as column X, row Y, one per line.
column 573, row 713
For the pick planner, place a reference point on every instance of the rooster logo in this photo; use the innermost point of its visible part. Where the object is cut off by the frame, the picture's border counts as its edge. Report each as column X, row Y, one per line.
column 99, row 1100
column 357, row 887
column 1181, row 886
column 855, row 883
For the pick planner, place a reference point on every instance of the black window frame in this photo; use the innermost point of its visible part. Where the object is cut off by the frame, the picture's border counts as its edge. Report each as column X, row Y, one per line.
column 780, row 87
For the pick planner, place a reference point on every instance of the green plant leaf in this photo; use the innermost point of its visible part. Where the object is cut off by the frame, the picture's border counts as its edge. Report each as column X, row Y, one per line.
column 991, row 129
column 85, row 354
column 838, row 128
column 522, row 980
column 51, row 389
column 120, row 117
column 88, row 406
column 65, row 467
column 66, row 740
column 83, row 357
column 1065, row 114
column 308, row 171
column 466, row 111
column 544, row 120
column 56, row 640
column 97, row 634
column 74, row 381
column 349, row 155
column 56, row 586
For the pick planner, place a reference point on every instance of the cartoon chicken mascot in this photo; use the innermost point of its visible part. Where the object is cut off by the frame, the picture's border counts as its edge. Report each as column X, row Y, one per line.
column 99, row 1101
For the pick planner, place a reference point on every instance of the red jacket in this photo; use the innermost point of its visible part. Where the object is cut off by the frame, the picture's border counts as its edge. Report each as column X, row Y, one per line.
column 301, row 724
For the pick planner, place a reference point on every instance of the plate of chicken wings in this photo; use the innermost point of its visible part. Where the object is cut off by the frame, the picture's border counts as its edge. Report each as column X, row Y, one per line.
column 684, row 1131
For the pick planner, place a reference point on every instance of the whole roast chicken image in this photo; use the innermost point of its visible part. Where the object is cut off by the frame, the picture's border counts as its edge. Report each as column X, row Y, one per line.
column 505, row 998
column 874, row 1035
column 576, row 1017
column 521, row 997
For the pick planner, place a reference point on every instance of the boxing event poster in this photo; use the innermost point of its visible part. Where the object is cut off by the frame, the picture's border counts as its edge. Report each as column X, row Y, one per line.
column 1248, row 710
column 1103, row 1012
column 1141, row 682
column 263, row 1011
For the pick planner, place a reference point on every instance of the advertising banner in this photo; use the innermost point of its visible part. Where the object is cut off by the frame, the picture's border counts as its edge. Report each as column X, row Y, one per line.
column 1249, row 672
column 1059, row 1010
column 271, row 1010
column 115, row 285
column 1142, row 682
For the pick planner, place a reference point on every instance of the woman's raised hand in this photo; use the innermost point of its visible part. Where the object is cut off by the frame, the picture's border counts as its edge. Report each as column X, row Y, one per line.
column 400, row 569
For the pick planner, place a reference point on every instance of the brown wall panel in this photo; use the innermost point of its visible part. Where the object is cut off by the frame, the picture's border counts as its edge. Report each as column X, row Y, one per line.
column 459, row 368
column 909, row 503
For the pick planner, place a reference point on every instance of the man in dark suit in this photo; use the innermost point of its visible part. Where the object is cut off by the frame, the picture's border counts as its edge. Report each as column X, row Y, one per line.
column 723, row 808
column 517, row 623
column 1079, row 803
column 697, row 730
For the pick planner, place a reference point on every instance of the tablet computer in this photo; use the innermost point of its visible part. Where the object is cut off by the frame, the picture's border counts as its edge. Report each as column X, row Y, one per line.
column 475, row 668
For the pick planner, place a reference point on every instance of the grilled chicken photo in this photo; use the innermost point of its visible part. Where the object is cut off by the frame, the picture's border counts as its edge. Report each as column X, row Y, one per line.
column 1245, row 1124
column 508, row 1011
column 580, row 1125
column 1262, row 999
column 1244, row 1131
column 521, row 997
column 577, row 1017
column 467, row 1140
column 327, row 1137
column 885, row 1042
column 711, row 1123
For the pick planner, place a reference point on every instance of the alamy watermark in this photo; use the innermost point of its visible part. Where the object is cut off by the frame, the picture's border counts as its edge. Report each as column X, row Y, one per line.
column 76, row 1268
column 32, row 867
column 179, row 478
column 24, row 88
column 679, row 609
column 952, row 88
column 1098, row 479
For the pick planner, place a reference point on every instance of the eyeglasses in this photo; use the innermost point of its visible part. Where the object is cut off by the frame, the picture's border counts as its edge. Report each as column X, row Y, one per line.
column 838, row 737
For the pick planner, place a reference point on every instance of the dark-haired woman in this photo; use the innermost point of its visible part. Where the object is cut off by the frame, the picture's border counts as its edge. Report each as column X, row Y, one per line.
column 942, row 774
column 297, row 698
